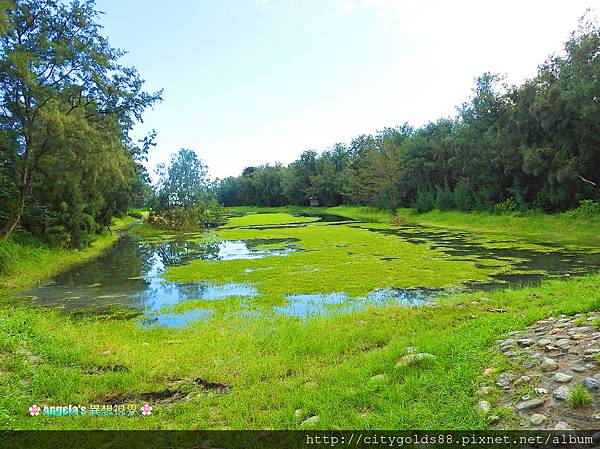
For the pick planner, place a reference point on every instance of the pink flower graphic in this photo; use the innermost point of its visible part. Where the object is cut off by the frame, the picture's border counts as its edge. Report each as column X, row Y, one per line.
column 146, row 410
column 34, row 410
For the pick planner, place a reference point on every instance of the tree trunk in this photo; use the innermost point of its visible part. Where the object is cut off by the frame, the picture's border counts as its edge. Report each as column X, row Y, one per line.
column 11, row 224
column 15, row 216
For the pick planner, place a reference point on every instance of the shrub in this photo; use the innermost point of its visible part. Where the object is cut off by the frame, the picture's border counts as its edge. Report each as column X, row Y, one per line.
column 586, row 209
column 9, row 252
column 444, row 199
column 424, row 201
column 462, row 198
column 508, row 206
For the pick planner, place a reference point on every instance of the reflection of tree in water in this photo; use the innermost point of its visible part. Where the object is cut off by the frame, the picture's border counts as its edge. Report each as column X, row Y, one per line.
column 123, row 258
column 180, row 252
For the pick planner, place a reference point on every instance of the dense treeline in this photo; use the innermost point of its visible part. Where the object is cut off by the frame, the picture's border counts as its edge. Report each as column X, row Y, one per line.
column 67, row 164
column 536, row 145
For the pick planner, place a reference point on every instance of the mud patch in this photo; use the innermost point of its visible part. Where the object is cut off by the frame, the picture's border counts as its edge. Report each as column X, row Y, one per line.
column 216, row 387
column 117, row 368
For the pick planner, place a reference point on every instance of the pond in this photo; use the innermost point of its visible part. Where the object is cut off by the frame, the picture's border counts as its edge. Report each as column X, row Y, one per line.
column 131, row 273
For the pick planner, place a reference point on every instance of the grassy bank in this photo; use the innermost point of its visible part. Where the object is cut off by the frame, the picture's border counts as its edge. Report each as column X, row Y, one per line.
column 558, row 228
column 26, row 260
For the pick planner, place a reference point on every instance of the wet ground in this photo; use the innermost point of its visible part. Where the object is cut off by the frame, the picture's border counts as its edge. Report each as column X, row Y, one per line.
column 130, row 273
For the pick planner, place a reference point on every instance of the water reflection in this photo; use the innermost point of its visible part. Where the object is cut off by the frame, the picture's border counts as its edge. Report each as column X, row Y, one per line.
column 303, row 306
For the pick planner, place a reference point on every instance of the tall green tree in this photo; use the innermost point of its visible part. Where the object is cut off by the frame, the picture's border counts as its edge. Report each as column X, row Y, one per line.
column 57, row 72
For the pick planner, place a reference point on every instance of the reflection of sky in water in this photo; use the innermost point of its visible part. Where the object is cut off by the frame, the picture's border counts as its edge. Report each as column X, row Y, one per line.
column 302, row 306
column 232, row 250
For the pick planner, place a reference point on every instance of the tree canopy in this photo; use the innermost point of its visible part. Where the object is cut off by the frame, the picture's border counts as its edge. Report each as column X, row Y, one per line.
column 66, row 108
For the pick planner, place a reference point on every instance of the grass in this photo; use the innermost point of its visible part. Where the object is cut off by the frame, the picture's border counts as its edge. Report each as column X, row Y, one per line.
column 275, row 365
column 24, row 260
column 579, row 396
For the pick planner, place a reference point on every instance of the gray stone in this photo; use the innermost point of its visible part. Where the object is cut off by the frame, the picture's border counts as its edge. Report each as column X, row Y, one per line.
column 310, row 422
column 549, row 365
column 537, row 419
column 505, row 379
column 591, row 351
column 484, row 391
column 563, row 343
column 484, row 406
column 412, row 359
column 530, row 404
column 378, row 378
column 561, row 426
column 591, row 383
column 578, row 369
column 541, row 391
column 524, row 342
column 543, row 342
column 562, row 378
column 561, row 393
column 579, row 330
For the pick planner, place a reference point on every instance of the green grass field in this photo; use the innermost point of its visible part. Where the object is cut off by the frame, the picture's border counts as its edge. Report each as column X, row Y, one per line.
column 282, row 370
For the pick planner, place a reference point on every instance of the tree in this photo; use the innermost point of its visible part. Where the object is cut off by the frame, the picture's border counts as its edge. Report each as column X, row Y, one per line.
column 184, row 182
column 57, row 72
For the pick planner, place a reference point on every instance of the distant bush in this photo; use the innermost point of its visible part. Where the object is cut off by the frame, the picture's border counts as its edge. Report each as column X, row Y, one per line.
column 508, row 206
column 444, row 199
column 424, row 201
column 586, row 209
column 462, row 198
column 193, row 218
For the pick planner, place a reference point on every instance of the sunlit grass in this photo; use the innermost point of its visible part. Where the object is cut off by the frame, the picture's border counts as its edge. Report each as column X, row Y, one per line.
column 276, row 364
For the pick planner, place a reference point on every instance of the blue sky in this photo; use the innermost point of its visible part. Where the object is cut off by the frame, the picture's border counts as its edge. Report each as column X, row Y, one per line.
column 254, row 81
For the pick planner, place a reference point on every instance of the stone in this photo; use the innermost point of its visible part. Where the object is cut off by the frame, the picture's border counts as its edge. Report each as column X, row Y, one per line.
column 541, row 391
column 537, row 419
column 549, row 365
column 579, row 330
column 525, row 342
column 530, row 404
column 578, row 369
column 485, row 299
column 523, row 380
column 563, row 343
column 507, row 342
column 484, row 406
column 591, row 351
column 493, row 419
column 505, row 379
column 413, row 359
column 591, row 383
column 489, row 372
column 377, row 378
column 298, row 413
column 561, row 393
column 543, row 342
column 484, row 391
column 561, row 426
column 309, row 423
column 562, row 378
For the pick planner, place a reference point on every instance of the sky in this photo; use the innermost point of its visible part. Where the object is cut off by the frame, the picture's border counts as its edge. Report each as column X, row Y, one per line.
column 248, row 82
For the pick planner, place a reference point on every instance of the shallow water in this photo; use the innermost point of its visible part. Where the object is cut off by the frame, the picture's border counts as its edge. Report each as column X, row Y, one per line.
column 130, row 274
